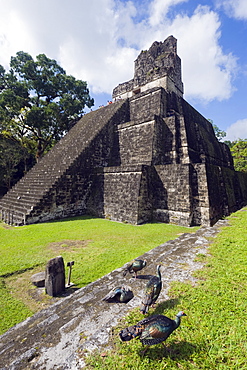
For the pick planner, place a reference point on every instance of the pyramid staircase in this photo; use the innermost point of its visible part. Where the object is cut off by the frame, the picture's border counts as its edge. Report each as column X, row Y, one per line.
column 19, row 202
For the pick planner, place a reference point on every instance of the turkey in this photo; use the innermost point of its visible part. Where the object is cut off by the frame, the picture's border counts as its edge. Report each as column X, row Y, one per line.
column 121, row 294
column 136, row 265
column 152, row 291
column 152, row 330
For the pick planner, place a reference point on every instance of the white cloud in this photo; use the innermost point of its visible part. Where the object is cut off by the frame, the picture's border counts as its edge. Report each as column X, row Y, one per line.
column 13, row 31
column 237, row 130
column 234, row 8
column 159, row 9
column 98, row 41
column 103, row 55
column 207, row 72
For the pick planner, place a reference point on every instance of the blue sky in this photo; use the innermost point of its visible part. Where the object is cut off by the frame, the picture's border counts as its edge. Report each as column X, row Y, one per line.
column 98, row 40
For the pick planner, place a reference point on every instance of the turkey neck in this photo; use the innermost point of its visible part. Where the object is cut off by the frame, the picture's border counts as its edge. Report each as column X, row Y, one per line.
column 158, row 272
column 177, row 321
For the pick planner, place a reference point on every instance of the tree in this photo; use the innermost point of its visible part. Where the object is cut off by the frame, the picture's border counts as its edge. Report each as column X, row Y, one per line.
column 239, row 153
column 39, row 103
column 229, row 143
column 220, row 134
column 14, row 161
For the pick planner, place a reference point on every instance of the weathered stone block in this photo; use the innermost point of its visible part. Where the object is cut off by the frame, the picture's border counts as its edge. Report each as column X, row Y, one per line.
column 38, row 279
column 55, row 276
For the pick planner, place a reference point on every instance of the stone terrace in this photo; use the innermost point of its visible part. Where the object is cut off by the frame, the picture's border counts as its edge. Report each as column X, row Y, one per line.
column 57, row 337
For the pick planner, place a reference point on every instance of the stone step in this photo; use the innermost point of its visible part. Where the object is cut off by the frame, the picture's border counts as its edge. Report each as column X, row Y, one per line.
column 38, row 188
column 26, row 194
column 29, row 185
column 14, row 206
column 29, row 188
column 21, row 196
column 15, row 202
column 13, row 218
column 40, row 178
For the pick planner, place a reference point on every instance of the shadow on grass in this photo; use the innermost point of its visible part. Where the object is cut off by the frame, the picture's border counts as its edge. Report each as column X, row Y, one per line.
column 165, row 305
column 75, row 218
column 175, row 351
column 19, row 272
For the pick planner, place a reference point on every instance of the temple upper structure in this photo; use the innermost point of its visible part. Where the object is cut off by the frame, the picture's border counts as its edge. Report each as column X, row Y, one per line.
column 160, row 66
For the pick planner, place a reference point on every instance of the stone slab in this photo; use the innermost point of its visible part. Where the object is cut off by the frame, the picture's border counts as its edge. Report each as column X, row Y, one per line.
column 38, row 279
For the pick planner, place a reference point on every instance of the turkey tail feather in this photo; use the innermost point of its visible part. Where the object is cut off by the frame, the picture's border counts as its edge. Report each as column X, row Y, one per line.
column 130, row 332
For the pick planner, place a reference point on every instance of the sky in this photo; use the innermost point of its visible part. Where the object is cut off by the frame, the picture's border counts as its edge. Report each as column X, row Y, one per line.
column 97, row 41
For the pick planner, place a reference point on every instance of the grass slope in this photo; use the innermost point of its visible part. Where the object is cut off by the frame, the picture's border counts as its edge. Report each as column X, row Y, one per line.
column 213, row 335
column 97, row 246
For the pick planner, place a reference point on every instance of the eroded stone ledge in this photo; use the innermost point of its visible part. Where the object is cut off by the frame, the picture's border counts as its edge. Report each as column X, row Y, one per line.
column 51, row 338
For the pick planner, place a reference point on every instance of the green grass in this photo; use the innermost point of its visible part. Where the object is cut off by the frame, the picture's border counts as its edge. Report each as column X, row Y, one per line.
column 213, row 335
column 97, row 246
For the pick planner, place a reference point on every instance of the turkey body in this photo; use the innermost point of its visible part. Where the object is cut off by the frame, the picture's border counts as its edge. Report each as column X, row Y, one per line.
column 135, row 266
column 152, row 291
column 121, row 294
column 152, row 330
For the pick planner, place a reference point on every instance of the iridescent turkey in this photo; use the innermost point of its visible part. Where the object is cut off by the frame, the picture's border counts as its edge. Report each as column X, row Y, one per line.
column 121, row 294
column 135, row 266
column 152, row 330
column 152, row 291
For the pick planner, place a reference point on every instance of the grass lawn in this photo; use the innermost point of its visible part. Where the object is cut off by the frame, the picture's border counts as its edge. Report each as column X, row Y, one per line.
column 97, row 246
column 213, row 336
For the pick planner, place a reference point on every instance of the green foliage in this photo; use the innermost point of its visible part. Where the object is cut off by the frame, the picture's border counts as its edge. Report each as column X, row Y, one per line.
column 229, row 143
column 220, row 134
column 213, row 335
column 239, row 153
column 39, row 102
column 12, row 310
column 14, row 161
column 97, row 246
column 238, row 148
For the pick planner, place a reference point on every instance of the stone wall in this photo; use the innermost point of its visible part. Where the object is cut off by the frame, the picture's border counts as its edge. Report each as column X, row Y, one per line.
column 202, row 142
column 200, row 197
column 136, row 143
column 172, row 200
column 242, row 178
column 225, row 191
column 144, row 106
column 121, row 192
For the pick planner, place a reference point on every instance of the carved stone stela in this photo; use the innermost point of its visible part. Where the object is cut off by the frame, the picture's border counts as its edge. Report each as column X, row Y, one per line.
column 55, row 277
column 149, row 156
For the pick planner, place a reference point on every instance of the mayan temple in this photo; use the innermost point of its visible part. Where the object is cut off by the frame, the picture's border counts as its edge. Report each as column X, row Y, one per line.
column 148, row 156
